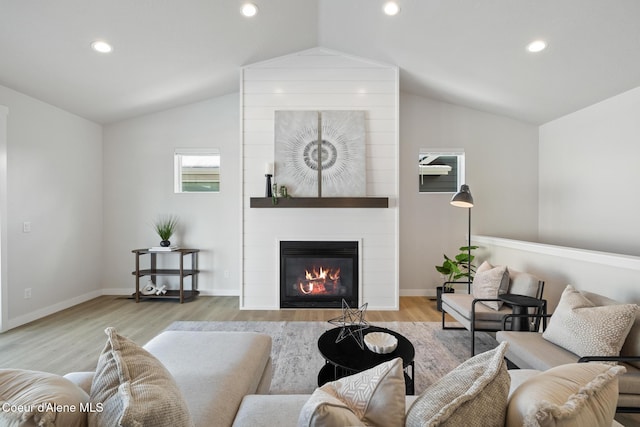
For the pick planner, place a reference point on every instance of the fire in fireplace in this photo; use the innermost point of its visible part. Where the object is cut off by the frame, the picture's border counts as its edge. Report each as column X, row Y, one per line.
column 318, row 274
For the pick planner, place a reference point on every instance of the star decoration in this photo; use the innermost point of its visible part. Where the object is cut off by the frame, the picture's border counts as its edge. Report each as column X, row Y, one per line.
column 352, row 323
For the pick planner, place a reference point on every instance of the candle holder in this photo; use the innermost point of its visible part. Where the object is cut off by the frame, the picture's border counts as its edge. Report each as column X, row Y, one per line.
column 268, row 192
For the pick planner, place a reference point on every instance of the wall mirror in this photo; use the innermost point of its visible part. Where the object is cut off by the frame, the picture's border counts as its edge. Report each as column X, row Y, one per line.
column 197, row 170
column 440, row 170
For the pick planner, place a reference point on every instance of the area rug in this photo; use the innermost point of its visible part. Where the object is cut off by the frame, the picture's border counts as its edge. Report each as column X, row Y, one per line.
column 297, row 361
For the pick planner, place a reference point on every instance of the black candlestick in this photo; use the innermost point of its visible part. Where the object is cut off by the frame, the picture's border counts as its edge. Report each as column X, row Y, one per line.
column 268, row 192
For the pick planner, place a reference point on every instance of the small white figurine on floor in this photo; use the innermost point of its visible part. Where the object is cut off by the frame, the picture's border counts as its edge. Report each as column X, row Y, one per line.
column 161, row 290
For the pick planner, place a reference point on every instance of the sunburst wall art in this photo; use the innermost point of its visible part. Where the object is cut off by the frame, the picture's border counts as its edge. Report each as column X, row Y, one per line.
column 321, row 153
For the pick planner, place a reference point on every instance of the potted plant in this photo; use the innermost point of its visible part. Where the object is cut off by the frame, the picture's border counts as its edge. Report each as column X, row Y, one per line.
column 165, row 227
column 454, row 269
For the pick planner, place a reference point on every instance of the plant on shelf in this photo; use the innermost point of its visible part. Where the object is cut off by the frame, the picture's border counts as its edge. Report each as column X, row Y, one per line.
column 165, row 226
column 454, row 269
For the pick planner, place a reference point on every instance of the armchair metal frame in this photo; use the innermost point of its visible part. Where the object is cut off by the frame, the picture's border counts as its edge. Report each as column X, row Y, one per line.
column 472, row 325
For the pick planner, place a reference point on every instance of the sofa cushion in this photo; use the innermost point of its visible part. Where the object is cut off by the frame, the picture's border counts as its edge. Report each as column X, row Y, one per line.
column 521, row 283
column 585, row 329
column 473, row 394
column 282, row 410
column 257, row 410
column 489, row 282
column 27, row 398
column 528, row 350
column 573, row 395
column 227, row 366
column 134, row 388
column 374, row 397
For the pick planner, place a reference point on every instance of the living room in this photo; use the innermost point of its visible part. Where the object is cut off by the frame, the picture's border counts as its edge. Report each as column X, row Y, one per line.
column 87, row 184
column 103, row 216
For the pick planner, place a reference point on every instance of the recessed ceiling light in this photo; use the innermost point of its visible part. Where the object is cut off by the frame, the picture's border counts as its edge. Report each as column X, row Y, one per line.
column 391, row 8
column 249, row 10
column 536, row 46
column 101, row 46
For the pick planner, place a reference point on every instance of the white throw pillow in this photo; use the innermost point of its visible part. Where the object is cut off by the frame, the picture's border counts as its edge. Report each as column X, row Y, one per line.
column 375, row 397
column 585, row 329
column 489, row 282
column 572, row 395
column 472, row 395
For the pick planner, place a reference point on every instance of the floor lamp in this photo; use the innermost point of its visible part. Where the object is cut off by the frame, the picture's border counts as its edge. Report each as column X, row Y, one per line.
column 464, row 199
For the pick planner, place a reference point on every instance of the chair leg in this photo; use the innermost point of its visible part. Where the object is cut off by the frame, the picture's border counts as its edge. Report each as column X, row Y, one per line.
column 473, row 340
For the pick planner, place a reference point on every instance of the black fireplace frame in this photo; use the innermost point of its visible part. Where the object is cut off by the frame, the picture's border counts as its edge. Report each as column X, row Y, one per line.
column 330, row 249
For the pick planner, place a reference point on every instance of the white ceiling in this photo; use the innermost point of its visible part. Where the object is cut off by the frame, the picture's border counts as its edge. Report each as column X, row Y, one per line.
column 172, row 52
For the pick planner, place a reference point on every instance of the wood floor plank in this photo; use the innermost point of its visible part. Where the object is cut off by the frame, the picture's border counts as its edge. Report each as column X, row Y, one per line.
column 71, row 340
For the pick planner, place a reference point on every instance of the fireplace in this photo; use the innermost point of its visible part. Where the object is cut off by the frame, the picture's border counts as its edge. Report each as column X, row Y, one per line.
column 318, row 274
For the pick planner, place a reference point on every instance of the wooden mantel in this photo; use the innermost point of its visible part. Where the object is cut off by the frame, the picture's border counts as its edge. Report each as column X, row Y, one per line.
column 320, row 202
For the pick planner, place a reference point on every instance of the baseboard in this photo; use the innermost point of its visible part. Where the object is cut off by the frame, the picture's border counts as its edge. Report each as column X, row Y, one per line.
column 205, row 292
column 431, row 293
column 46, row 311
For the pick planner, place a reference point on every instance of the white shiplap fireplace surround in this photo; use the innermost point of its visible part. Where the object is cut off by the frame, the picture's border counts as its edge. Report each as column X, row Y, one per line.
column 320, row 79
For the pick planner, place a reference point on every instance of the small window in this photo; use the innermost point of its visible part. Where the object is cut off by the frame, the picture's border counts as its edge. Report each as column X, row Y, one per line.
column 197, row 170
column 440, row 170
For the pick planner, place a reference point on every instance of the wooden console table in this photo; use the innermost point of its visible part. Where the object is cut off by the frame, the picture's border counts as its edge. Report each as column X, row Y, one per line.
column 181, row 272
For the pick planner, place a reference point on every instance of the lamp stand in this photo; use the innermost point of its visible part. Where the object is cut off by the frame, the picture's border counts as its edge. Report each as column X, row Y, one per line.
column 469, row 254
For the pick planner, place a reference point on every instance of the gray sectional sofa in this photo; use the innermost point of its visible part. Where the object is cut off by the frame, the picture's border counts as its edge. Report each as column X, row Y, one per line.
column 224, row 378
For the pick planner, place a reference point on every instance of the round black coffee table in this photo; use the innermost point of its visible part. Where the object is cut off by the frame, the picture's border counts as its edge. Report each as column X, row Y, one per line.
column 347, row 358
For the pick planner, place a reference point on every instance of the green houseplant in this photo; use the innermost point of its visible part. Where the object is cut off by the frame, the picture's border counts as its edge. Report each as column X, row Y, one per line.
column 454, row 269
column 165, row 226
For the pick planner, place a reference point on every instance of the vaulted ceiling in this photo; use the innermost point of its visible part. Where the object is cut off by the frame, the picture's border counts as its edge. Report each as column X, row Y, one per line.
column 173, row 52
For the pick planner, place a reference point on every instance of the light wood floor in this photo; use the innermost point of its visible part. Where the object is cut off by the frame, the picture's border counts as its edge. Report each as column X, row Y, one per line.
column 72, row 339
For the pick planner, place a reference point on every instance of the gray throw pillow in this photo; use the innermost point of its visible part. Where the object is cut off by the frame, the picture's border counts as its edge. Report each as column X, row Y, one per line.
column 472, row 395
column 134, row 388
column 33, row 398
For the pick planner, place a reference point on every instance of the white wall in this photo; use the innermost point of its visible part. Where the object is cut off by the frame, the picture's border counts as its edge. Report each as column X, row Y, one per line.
column 589, row 174
column 138, row 187
column 501, row 170
column 609, row 274
column 54, row 181
column 319, row 79
column 3, row 217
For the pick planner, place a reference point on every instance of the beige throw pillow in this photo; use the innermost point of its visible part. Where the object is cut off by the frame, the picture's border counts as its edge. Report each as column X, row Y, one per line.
column 375, row 397
column 134, row 388
column 32, row 398
column 489, row 282
column 587, row 330
column 573, row 395
column 472, row 395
